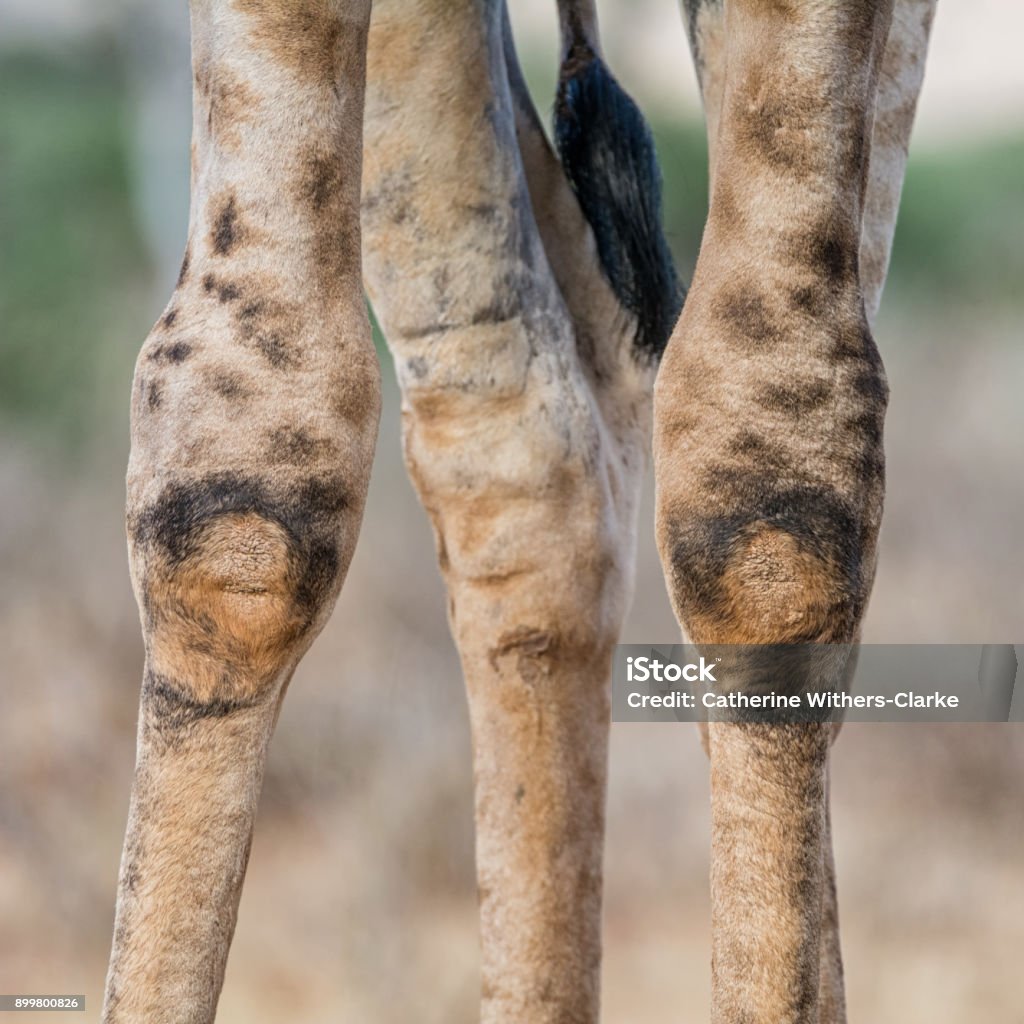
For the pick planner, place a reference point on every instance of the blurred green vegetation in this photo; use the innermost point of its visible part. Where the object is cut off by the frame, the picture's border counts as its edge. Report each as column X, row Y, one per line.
column 960, row 233
column 75, row 285
column 73, row 269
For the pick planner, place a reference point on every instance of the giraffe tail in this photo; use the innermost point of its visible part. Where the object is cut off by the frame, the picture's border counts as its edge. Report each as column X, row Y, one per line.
column 608, row 155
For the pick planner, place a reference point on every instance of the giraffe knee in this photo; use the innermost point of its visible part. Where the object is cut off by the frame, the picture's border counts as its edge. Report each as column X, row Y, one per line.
column 757, row 584
column 232, row 581
column 776, row 590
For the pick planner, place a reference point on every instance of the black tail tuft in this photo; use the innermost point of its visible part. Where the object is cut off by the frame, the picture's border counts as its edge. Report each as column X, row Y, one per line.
column 608, row 155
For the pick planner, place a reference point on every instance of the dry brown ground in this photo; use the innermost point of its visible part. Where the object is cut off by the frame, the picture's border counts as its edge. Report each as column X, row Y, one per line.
column 359, row 904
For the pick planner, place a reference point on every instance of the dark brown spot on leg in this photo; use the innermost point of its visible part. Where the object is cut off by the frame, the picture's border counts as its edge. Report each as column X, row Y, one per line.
column 227, row 229
column 226, row 291
column 272, row 328
column 175, row 352
column 810, row 299
column 152, row 393
column 183, row 272
column 304, row 36
column 320, row 181
column 744, row 312
column 230, row 386
column 749, row 445
column 797, row 400
column 774, row 125
column 319, row 191
column 829, row 250
column 296, row 445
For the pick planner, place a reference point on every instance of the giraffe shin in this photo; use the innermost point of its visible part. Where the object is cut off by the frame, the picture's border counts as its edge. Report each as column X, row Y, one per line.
column 539, row 713
column 768, row 830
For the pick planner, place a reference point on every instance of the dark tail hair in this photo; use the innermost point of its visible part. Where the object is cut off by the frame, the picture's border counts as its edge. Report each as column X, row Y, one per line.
column 608, row 155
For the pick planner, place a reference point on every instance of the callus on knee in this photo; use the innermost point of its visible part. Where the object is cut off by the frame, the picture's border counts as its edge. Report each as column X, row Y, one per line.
column 234, row 580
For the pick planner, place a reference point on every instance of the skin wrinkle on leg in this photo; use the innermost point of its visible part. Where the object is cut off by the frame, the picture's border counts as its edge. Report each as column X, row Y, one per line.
column 254, row 418
column 524, row 430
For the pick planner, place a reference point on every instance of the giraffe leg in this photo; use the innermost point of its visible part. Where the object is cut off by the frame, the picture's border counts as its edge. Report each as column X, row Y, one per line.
column 899, row 83
column 524, row 432
column 767, row 820
column 254, row 418
column 768, row 458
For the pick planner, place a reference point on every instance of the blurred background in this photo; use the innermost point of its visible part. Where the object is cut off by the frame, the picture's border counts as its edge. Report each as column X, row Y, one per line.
column 360, row 900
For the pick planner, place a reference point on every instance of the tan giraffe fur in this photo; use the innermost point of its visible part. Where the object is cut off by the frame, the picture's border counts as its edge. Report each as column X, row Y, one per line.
column 768, row 438
column 526, row 409
column 254, row 417
column 899, row 84
column 525, row 418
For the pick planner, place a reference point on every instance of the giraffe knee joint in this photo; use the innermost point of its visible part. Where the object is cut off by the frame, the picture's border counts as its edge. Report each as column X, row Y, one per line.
column 759, row 584
column 233, row 582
